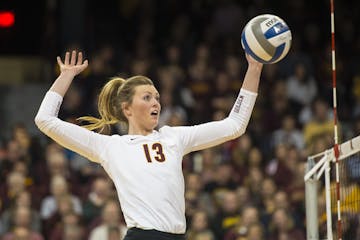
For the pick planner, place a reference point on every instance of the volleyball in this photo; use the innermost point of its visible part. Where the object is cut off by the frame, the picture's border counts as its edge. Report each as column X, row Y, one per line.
column 267, row 38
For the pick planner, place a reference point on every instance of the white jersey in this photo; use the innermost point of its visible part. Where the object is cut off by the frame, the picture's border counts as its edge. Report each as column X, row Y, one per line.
column 146, row 170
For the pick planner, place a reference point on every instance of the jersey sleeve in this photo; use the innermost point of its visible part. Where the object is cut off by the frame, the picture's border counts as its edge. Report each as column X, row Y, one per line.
column 78, row 139
column 198, row 137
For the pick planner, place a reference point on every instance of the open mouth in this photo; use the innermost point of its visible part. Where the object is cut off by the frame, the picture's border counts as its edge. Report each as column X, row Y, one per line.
column 155, row 113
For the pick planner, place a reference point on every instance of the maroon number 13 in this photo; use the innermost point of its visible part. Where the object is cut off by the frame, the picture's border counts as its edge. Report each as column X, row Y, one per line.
column 157, row 147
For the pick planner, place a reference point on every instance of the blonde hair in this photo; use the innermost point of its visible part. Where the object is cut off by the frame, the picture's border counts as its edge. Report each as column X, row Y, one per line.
column 114, row 93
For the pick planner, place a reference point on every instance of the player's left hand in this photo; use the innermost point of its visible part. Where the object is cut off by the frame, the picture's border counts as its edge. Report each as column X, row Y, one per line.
column 252, row 61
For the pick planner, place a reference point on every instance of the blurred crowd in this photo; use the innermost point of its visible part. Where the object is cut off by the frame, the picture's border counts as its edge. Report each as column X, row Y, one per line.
column 251, row 188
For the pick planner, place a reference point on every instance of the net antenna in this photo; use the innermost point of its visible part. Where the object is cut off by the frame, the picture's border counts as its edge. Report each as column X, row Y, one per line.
column 336, row 136
column 315, row 171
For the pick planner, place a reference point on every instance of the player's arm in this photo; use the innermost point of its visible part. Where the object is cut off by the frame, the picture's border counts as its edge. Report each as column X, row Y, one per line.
column 213, row 133
column 252, row 76
column 71, row 136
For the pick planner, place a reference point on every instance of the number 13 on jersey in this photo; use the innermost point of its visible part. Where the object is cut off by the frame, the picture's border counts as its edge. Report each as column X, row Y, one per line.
column 158, row 149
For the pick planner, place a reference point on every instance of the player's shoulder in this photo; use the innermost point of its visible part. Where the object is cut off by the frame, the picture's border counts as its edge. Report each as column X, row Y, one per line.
column 169, row 134
column 164, row 130
column 168, row 131
column 118, row 137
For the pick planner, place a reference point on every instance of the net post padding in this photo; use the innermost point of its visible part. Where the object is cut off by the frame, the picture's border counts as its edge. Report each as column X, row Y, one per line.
column 311, row 201
column 328, row 201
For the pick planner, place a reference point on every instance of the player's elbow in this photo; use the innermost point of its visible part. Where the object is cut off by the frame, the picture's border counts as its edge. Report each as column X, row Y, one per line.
column 38, row 120
column 42, row 122
column 238, row 129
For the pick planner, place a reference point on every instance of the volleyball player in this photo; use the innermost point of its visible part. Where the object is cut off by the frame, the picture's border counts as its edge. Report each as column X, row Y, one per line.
column 145, row 165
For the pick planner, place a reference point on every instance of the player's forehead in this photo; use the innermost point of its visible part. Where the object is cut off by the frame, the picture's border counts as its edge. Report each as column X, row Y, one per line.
column 143, row 89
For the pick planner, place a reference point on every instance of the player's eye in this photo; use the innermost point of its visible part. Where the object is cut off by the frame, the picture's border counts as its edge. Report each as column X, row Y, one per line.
column 147, row 97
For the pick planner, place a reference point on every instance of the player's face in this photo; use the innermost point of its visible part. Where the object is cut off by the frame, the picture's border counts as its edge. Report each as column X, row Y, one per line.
column 144, row 111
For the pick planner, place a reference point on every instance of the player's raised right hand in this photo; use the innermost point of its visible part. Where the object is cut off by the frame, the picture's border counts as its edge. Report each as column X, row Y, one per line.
column 73, row 65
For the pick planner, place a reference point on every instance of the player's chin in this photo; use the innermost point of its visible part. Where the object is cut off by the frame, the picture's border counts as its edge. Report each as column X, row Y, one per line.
column 154, row 122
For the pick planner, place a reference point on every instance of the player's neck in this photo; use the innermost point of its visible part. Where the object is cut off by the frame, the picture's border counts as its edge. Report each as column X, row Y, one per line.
column 139, row 131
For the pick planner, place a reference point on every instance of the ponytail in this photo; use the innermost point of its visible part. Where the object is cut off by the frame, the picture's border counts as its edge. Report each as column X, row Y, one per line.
column 112, row 95
column 107, row 106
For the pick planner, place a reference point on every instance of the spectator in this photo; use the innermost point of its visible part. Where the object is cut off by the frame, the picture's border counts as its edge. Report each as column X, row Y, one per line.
column 112, row 227
column 21, row 135
column 11, row 153
column 239, row 156
column 196, row 198
column 205, row 162
column 223, row 180
column 228, row 215
column 253, row 181
column 69, row 227
column 223, row 96
column 268, row 190
column 281, row 200
column 255, row 232
column 243, row 195
column 288, row 133
column 301, row 86
column 169, row 110
column 59, row 188
column 282, row 226
column 249, row 216
column 100, row 192
column 205, row 236
column 172, row 82
column 22, row 199
column 234, row 68
column 296, row 190
column 22, row 233
column 22, row 226
column 74, row 232
column 255, row 159
column 199, row 227
column 65, row 206
column 15, row 184
column 277, row 106
column 277, row 167
column 320, row 125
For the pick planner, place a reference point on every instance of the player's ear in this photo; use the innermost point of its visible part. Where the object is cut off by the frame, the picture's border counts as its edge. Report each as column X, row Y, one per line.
column 126, row 108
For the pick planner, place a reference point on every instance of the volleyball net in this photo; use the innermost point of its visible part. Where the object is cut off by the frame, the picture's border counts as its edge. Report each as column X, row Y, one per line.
column 333, row 207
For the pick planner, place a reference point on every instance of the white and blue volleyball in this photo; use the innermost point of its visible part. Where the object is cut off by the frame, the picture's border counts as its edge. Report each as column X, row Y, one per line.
column 267, row 38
